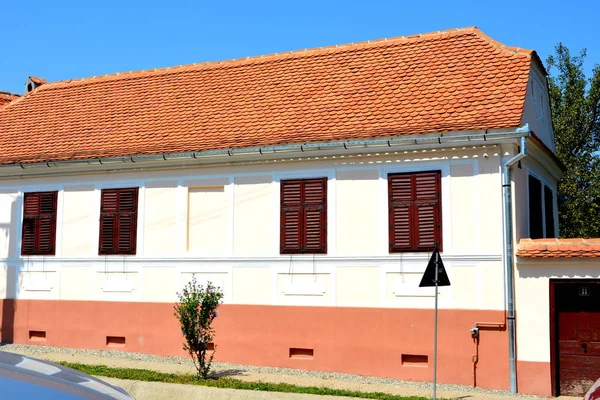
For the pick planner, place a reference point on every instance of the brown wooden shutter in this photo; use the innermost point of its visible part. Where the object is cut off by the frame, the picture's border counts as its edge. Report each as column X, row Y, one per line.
column 291, row 216
column 427, row 204
column 47, row 224
column 109, row 201
column 107, row 233
column 303, row 216
column 315, row 217
column 108, row 220
column 400, row 191
column 414, row 211
column 127, row 222
column 28, row 239
column 290, row 230
column 39, row 223
column 118, row 221
column 30, row 214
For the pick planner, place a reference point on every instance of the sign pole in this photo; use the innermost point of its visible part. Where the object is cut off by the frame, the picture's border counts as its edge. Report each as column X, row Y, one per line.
column 435, row 330
column 435, row 275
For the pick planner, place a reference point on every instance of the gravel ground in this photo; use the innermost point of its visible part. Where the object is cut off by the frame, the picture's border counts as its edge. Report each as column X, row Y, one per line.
column 39, row 351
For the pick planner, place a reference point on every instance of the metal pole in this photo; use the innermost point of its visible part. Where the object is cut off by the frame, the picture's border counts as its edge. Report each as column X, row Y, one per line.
column 435, row 330
column 508, row 264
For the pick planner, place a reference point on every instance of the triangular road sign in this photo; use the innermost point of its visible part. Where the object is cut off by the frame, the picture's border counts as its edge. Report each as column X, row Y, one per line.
column 428, row 279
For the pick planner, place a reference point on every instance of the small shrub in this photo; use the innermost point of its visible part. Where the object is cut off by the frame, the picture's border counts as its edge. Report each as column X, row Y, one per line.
column 196, row 311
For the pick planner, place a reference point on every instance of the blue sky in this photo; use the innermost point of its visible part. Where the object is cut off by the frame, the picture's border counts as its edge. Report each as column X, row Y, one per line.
column 70, row 39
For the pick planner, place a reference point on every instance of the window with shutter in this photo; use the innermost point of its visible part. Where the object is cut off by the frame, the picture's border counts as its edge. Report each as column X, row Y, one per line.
column 39, row 223
column 118, row 221
column 541, row 210
column 304, row 216
column 415, row 216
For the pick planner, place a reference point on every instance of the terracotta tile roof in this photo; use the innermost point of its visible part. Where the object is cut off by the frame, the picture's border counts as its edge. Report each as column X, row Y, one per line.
column 559, row 248
column 7, row 97
column 37, row 80
column 449, row 81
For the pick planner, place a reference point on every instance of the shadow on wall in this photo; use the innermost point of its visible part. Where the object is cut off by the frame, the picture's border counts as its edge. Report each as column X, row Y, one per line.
column 575, row 269
column 8, row 233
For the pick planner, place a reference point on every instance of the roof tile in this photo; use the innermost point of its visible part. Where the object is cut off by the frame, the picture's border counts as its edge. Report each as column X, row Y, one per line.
column 7, row 97
column 559, row 248
column 446, row 81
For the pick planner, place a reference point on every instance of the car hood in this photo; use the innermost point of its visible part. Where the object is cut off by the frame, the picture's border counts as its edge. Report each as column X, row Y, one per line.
column 25, row 377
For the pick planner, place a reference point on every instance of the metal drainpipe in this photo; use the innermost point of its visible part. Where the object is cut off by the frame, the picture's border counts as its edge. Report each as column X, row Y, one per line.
column 508, row 261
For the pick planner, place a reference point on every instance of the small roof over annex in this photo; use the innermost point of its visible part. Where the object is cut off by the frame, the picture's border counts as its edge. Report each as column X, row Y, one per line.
column 559, row 248
column 450, row 81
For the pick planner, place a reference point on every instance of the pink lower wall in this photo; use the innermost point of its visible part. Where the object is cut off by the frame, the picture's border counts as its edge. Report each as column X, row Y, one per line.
column 534, row 378
column 365, row 341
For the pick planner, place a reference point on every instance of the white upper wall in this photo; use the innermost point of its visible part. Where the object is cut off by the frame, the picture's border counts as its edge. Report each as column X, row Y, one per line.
column 536, row 111
column 234, row 210
column 223, row 224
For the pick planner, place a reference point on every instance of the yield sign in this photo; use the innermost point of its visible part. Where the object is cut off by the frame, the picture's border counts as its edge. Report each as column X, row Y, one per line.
column 429, row 277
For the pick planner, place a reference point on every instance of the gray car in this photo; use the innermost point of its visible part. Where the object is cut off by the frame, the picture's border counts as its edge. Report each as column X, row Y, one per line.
column 23, row 377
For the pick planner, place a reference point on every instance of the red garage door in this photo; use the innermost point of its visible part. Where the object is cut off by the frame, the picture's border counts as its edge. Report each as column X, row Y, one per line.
column 577, row 318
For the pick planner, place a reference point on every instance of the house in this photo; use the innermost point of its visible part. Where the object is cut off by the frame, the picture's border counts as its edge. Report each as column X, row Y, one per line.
column 312, row 187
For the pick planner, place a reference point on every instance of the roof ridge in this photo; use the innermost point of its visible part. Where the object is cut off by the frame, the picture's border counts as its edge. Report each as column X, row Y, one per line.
column 9, row 93
column 287, row 54
column 499, row 45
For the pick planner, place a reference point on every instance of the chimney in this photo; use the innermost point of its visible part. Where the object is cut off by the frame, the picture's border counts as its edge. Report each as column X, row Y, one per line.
column 33, row 83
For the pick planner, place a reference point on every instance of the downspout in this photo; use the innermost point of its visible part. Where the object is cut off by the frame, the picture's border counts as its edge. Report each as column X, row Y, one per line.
column 508, row 258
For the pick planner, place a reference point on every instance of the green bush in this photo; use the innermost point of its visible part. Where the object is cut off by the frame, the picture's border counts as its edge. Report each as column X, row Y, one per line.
column 196, row 311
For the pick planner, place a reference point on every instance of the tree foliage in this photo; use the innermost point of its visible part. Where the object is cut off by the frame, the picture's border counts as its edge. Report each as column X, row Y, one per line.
column 575, row 104
column 196, row 311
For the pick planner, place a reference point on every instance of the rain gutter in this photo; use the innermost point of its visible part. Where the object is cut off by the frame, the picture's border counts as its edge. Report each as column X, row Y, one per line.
column 509, row 255
column 277, row 152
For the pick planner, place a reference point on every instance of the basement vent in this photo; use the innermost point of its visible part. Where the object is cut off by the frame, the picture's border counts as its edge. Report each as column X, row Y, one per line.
column 37, row 336
column 115, row 341
column 301, row 354
column 414, row 360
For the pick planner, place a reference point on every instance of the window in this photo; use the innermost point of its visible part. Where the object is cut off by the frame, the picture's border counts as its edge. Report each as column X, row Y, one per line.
column 415, row 216
column 39, row 224
column 541, row 210
column 536, row 216
column 304, row 216
column 118, row 221
column 549, row 212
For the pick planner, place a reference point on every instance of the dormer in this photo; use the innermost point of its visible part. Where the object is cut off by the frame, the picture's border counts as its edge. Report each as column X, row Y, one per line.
column 33, row 83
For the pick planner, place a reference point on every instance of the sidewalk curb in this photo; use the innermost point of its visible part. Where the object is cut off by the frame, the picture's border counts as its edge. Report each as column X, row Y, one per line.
column 158, row 391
